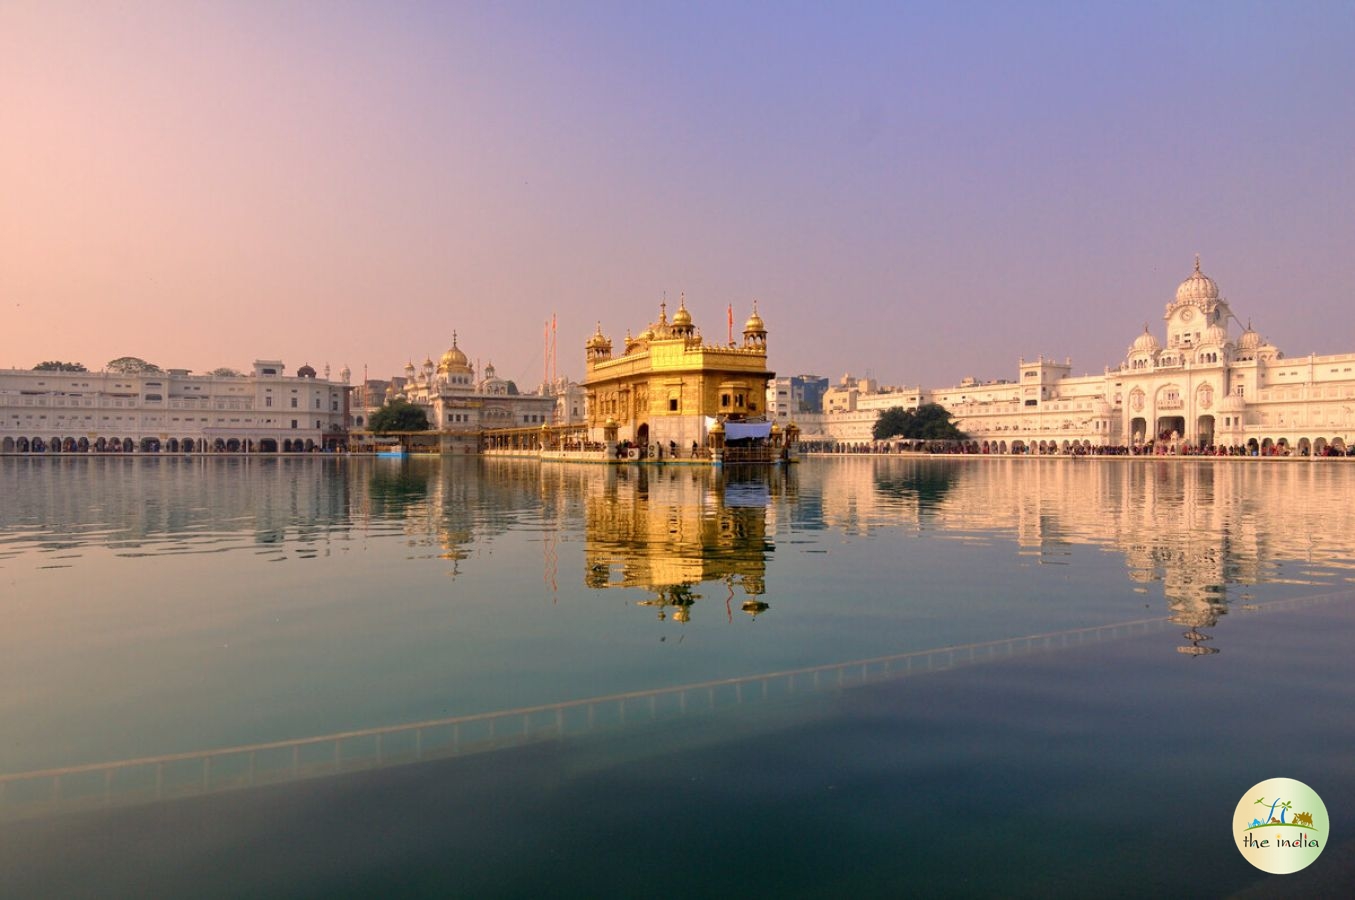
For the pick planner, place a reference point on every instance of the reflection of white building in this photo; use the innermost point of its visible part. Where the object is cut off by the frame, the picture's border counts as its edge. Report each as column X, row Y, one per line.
column 1204, row 534
column 1202, row 386
column 171, row 411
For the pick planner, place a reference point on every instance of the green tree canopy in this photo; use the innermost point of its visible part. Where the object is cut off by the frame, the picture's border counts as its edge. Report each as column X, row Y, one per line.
column 929, row 422
column 398, row 415
column 225, row 372
column 131, row 365
column 56, row 365
column 893, row 422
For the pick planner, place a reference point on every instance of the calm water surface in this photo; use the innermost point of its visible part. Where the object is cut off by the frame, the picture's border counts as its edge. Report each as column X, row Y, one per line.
column 160, row 607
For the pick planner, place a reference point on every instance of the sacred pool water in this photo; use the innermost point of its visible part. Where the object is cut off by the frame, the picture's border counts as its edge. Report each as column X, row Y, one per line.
column 858, row 677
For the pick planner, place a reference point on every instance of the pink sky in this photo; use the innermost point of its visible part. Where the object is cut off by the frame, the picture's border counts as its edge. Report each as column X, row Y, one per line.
column 918, row 192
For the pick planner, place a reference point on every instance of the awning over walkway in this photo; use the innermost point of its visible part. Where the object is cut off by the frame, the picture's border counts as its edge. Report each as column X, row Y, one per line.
column 737, row 431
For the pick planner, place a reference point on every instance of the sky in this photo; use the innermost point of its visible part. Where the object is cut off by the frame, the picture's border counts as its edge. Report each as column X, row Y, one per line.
column 916, row 192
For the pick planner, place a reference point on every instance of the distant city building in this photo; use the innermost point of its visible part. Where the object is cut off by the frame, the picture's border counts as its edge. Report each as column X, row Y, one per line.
column 790, row 398
column 1201, row 387
column 669, row 388
column 171, row 411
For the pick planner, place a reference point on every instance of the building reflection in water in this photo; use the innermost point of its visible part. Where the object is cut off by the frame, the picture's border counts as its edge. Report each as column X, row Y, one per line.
column 670, row 530
column 1210, row 535
column 1207, row 532
column 666, row 530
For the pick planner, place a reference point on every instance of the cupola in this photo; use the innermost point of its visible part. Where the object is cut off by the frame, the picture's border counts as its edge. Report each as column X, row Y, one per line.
column 1198, row 288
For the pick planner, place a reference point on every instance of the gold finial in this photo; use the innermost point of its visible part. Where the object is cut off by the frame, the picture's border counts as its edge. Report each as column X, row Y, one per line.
column 1197, row 262
column 663, row 309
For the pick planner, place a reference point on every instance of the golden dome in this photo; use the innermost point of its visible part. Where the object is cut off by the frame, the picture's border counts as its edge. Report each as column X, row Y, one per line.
column 682, row 318
column 454, row 359
column 1198, row 286
column 754, row 322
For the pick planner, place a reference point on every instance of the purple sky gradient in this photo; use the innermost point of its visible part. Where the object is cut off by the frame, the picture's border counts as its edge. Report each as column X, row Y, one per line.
column 917, row 191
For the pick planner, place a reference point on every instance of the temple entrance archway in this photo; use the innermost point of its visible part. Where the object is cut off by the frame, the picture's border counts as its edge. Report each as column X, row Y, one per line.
column 1167, row 426
column 1204, row 430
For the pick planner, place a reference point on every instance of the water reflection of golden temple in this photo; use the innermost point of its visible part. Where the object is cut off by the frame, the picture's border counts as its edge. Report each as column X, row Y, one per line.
column 669, row 530
column 1207, row 535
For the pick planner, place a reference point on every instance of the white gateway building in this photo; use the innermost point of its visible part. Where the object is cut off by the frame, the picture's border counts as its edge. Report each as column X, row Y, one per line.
column 1200, row 388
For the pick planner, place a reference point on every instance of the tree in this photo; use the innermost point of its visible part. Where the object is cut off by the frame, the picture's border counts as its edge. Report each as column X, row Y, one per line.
column 893, row 422
column 929, row 422
column 225, row 372
column 56, row 365
column 131, row 365
column 934, row 424
column 398, row 415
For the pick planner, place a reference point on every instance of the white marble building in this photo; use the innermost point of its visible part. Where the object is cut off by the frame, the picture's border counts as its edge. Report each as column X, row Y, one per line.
column 1213, row 382
column 461, row 405
column 171, row 411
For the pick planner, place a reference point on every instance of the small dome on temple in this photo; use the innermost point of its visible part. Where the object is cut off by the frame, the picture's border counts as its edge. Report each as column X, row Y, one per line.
column 682, row 318
column 754, row 322
column 1145, row 342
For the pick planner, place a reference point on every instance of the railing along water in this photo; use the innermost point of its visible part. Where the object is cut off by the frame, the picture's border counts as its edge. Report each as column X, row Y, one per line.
column 168, row 776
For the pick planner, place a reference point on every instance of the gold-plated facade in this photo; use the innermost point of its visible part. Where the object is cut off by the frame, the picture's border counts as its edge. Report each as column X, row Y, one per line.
column 669, row 384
